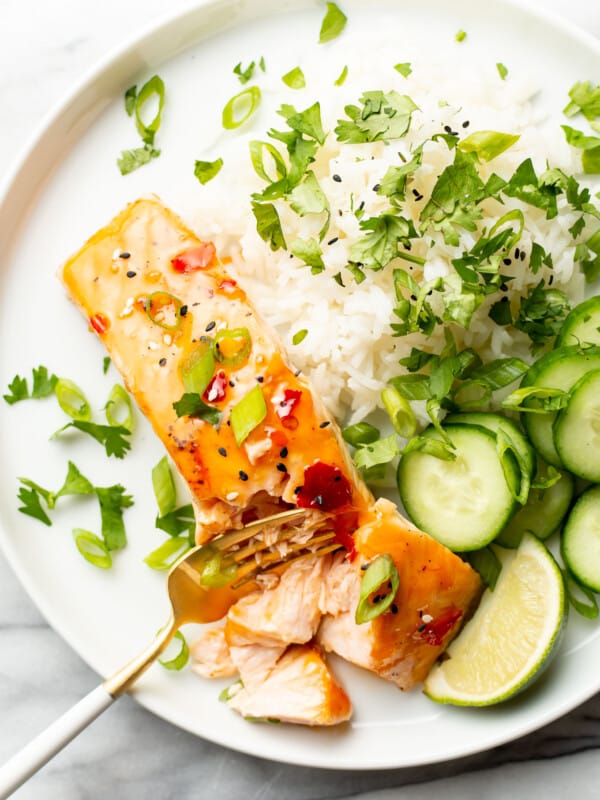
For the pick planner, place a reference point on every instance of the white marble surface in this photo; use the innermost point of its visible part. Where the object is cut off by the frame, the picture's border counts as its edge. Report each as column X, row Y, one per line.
column 128, row 753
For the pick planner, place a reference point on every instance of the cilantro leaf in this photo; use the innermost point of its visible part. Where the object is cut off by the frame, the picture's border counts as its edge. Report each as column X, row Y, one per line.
column 307, row 122
column 393, row 183
column 192, row 405
column 268, row 225
column 525, row 186
column 113, row 501
column 502, row 70
column 299, row 336
column 309, row 251
column 244, row 75
column 112, row 437
column 130, row 160
column 541, row 314
column 32, row 505
column 105, row 364
column 538, row 258
column 205, row 171
column 383, row 117
column 43, row 386
column 500, row 312
column 74, row 483
column 590, row 157
column 180, row 520
column 333, row 23
column 380, row 452
column 585, row 97
column 17, row 390
column 294, row 78
column 381, row 241
column 487, row 145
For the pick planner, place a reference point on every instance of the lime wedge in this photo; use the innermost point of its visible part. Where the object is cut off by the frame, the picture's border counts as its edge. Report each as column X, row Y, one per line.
column 512, row 635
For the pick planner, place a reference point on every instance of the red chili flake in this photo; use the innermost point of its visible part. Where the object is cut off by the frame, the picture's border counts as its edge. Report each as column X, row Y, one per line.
column 435, row 631
column 217, row 388
column 325, row 488
column 195, row 258
column 285, row 408
column 99, row 323
column 227, row 285
column 344, row 525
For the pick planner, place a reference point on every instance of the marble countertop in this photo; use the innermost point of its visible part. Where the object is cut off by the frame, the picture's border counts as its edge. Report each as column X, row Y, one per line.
column 129, row 753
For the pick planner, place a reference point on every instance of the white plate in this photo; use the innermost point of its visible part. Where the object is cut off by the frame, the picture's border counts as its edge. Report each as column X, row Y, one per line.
column 66, row 187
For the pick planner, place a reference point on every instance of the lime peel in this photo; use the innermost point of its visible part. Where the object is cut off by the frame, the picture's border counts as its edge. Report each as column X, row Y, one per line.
column 512, row 636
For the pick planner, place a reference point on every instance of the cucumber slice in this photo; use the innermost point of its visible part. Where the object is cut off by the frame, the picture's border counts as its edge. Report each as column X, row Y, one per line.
column 560, row 369
column 577, row 429
column 580, row 544
column 542, row 515
column 464, row 503
column 582, row 324
column 494, row 423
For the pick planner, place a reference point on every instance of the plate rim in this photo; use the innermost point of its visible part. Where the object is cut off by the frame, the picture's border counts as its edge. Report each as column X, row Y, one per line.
column 10, row 183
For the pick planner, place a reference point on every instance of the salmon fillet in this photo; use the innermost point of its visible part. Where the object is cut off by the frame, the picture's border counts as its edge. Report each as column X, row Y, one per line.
column 155, row 294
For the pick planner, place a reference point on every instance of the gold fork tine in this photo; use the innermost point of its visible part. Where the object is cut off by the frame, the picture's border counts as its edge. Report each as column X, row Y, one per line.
column 232, row 538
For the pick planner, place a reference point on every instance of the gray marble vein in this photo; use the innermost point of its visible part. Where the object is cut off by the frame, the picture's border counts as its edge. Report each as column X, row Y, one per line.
column 129, row 753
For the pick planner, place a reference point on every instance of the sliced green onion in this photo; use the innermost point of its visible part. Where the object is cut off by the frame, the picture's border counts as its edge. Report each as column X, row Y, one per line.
column 232, row 346
column 118, row 410
column 240, row 108
column 247, row 414
column 294, row 78
column 378, row 589
column 152, row 88
column 339, row 81
column 230, row 691
column 183, row 656
column 92, row 548
column 400, row 412
column 217, row 571
column 508, row 453
column 199, row 366
column 487, row 564
column 472, row 394
column 257, row 158
column 168, row 553
column 163, row 309
column 72, row 400
column 360, row 433
column 164, row 487
column 299, row 336
column 536, row 400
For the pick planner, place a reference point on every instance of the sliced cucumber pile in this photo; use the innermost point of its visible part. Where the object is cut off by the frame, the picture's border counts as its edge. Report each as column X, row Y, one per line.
column 580, row 544
column 582, row 325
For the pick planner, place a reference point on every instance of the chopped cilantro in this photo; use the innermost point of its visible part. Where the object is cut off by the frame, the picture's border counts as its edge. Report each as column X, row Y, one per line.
column 205, row 171
column 309, row 251
column 130, row 160
column 113, row 501
column 590, row 157
column 502, row 70
column 585, row 97
column 526, row 186
column 380, row 452
column 404, row 68
column 244, row 75
column 294, row 78
column 32, row 505
column 307, row 122
column 268, row 225
column 500, row 312
column 541, row 314
column 180, row 520
column 460, row 36
column 379, row 245
column 383, row 117
column 538, row 258
column 191, row 404
column 112, row 437
column 43, row 386
column 105, row 364
column 393, row 183
column 333, row 23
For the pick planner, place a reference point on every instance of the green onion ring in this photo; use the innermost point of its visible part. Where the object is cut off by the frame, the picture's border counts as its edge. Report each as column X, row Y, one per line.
column 380, row 572
column 249, row 97
column 72, row 400
column 163, row 300
column 118, row 403
column 182, row 657
column 92, row 548
column 243, row 351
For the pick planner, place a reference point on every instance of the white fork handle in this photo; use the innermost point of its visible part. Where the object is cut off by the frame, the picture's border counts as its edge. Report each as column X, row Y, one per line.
column 48, row 743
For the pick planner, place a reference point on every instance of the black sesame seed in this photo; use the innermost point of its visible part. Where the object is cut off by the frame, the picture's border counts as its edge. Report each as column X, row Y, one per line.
column 362, row 205
column 522, row 256
column 337, row 479
column 283, row 452
column 325, row 424
column 394, row 608
column 334, row 240
column 504, row 299
column 364, row 567
column 517, row 252
column 337, row 178
column 125, row 254
column 183, row 311
column 506, row 261
column 298, row 371
column 377, row 187
column 162, row 362
column 504, row 287
column 259, row 378
column 130, row 273
column 210, row 326
column 340, row 212
column 447, row 128
column 466, row 123
column 415, row 192
column 550, row 280
column 222, row 452
column 421, row 628
column 413, row 297
column 232, row 384
column 297, row 490
column 281, row 467
column 376, row 599
column 242, row 475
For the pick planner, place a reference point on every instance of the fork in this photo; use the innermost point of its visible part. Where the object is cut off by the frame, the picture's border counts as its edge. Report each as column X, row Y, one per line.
column 239, row 563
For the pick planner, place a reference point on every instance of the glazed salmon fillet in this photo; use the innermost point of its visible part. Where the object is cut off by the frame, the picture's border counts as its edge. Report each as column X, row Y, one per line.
column 168, row 313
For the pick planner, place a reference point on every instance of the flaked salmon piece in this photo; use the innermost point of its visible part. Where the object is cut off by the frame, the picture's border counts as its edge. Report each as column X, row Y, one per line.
column 437, row 591
column 156, row 295
column 210, row 655
column 288, row 613
column 254, row 663
column 299, row 689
